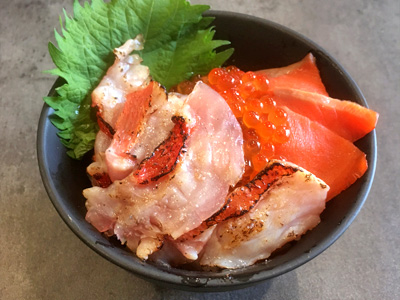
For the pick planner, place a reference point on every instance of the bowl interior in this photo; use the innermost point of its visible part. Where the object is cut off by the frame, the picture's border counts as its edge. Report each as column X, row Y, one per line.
column 258, row 44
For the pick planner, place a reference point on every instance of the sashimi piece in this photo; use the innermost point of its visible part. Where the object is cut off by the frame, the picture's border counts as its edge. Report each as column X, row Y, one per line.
column 240, row 201
column 153, row 127
column 123, row 77
column 287, row 209
column 175, row 254
column 303, row 75
column 165, row 156
column 243, row 198
column 348, row 119
column 139, row 214
column 190, row 248
column 157, row 123
column 330, row 157
column 223, row 140
column 118, row 158
column 142, row 126
column 142, row 215
column 97, row 170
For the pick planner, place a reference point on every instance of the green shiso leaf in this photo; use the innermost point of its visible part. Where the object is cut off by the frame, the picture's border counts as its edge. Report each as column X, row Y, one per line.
column 178, row 44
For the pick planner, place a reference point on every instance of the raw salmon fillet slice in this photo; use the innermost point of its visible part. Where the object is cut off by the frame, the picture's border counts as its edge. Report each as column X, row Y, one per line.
column 330, row 157
column 303, row 75
column 348, row 119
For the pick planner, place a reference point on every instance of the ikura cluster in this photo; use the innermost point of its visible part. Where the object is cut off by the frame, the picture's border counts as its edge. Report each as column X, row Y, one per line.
column 264, row 124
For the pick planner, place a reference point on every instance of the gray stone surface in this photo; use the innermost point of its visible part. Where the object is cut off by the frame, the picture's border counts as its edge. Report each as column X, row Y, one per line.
column 40, row 258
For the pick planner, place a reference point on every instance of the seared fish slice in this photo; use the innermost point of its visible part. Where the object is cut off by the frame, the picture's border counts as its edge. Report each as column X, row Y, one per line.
column 286, row 210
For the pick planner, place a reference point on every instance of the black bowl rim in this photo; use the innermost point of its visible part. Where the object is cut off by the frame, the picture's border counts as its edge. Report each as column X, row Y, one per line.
column 213, row 283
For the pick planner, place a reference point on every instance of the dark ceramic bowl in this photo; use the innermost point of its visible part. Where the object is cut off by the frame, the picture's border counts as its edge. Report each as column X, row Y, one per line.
column 258, row 44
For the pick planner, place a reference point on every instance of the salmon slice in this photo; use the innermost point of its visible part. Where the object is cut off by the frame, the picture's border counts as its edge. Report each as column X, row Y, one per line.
column 330, row 157
column 348, row 119
column 303, row 75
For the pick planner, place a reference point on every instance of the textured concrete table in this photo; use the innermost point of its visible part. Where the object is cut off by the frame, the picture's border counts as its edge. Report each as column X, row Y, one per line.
column 40, row 258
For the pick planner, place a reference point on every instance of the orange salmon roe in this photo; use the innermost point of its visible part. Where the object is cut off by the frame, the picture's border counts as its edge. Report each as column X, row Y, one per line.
column 264, row 124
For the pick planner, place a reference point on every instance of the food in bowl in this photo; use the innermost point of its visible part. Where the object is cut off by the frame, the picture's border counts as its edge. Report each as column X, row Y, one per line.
column 240, row 126
column 165, row 163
